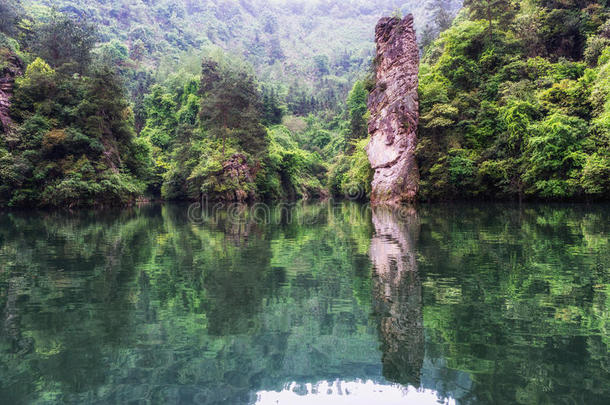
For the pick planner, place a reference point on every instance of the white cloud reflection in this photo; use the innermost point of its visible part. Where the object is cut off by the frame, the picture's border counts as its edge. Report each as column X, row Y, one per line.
column 350, row 392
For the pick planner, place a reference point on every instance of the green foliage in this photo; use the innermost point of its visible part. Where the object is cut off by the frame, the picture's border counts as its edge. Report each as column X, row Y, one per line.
column 114, row 52
column 554, row 156
column 161, row 119
column 290, row 171
column 73, row 142
column 214, row 143
column 350, row 175
column 357, row 111
column 65, row 43
column 231, row 106
column 500, row 12
column 273, row 109
column 509, row 110
column 9, row 15
column 595, row 178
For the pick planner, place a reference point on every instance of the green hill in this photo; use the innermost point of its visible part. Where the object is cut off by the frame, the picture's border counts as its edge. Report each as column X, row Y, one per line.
column 311, row 48
column 248, row 100
column 515, row 103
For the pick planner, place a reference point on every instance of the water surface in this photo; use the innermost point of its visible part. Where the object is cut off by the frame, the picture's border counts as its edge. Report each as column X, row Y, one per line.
column 324, row 304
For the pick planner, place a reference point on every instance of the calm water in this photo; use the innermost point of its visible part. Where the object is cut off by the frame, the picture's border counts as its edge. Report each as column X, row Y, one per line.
column 328, row 304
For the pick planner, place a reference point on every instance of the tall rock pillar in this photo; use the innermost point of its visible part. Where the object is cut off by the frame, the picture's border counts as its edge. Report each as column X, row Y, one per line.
column 394, row 108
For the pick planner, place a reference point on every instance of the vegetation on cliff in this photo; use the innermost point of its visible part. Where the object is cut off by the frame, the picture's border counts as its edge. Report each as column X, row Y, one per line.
column 514, row 103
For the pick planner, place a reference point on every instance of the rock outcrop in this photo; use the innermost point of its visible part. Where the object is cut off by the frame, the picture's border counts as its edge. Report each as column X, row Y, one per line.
column 238, row 179
column 11, row 67
column 394, row 108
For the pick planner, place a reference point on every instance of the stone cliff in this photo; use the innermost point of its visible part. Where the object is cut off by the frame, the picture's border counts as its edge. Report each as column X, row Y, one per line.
column 394, row 108
column 11, row 66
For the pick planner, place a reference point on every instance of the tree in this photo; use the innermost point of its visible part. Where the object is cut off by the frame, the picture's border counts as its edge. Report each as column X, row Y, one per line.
column 554, row 157
column 9, row 15
column 105, row 108
column 65, row 43
column 441, row 14
column 231, row 105
column 114, row 53
column 160, row 117
column 275, row 50
column 357, row 110
column 272, row 108
column 502, row 11
column 321, row 65
column 270, row 23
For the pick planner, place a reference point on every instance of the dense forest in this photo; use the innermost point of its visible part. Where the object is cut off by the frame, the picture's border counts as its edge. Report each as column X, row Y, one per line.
column 515, row 102
column 115, row 101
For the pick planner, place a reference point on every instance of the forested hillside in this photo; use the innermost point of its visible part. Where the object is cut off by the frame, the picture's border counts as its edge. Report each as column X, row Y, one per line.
column 106, row 102
column 515, row 103
column 234, row 100
column 308, row 51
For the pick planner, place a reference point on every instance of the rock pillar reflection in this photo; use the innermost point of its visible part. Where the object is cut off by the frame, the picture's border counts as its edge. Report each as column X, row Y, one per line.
column 397, row 293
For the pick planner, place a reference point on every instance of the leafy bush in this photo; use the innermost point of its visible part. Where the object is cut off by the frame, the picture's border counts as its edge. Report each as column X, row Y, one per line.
column 351, row 175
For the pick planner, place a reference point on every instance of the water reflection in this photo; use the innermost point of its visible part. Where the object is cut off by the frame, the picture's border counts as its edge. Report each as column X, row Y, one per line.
column 397, row 293
column 465, row 304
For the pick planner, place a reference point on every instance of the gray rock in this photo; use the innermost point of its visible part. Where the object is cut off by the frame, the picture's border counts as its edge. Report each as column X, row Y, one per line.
column 12, row 67
column 394, row 108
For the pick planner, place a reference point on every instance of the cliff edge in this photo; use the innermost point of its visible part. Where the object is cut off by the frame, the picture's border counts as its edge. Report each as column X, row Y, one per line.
column 394, row 108
column 10, row 67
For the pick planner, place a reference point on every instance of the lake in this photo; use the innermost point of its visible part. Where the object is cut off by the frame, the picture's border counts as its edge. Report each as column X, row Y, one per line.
column 327, row 303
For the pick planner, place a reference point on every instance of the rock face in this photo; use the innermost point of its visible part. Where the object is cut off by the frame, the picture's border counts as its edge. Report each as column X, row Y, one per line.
column 12, row 68
column 240, row 177
column 394, row 108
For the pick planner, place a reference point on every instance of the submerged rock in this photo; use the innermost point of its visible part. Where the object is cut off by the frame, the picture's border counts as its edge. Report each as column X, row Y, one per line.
column 394, row 108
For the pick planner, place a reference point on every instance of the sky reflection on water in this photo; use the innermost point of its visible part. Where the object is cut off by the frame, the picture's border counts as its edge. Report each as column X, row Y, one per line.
column 351, row 393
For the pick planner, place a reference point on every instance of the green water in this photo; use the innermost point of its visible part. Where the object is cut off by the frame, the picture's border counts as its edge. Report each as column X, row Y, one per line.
column 481, row 304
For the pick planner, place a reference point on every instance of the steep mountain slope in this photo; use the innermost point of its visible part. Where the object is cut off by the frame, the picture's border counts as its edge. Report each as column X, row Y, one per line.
column 307, row 44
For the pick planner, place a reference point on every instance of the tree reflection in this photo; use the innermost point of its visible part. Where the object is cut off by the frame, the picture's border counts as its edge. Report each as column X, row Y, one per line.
column 517, row 297
column 145, row 305
column 65, row 282
column 509, row 305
